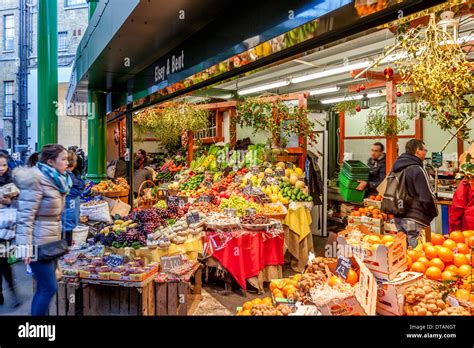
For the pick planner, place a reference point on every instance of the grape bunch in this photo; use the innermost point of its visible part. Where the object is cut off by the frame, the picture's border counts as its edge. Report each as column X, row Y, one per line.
column 149, row 219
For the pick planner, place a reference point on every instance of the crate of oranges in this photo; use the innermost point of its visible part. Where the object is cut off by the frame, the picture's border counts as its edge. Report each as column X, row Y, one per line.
column 371, row 217
column 284, row 290
column 385, row 256
column 447, row 259
column 375, row 201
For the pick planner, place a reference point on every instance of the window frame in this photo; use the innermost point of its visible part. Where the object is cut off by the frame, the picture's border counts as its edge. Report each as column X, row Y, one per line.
column 5, row 28
column 10, row 83
column 66, row 47
column 67, row 6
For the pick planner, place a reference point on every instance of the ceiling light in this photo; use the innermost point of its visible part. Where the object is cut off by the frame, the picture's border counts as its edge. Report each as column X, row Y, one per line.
column 353, row 97
column 324, row 90
column 330, row 72
column 263, row 87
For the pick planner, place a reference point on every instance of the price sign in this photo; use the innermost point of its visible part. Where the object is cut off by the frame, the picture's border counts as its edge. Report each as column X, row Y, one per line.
column 237, row 179
column 170, row 262
column 181, row 203
column 172, row 200
column 250, row 211
column 437, row 159
column 343, row 267
column 205, row 198
column 279, row 172
column 255, row 170
column 208, row 184
column 193, row 218
column 230, row 212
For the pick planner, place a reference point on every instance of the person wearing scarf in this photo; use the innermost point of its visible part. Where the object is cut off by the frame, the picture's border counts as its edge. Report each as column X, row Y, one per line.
column 43, row 188
column 7, row 233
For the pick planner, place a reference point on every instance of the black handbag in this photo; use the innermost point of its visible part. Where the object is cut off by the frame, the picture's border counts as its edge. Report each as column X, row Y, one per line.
column 52, row 251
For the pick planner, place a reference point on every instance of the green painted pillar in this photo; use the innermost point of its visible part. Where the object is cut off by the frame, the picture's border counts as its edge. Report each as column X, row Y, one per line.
column 96, row 136
column 47, row 72
column 96, row 128
column 92, row 7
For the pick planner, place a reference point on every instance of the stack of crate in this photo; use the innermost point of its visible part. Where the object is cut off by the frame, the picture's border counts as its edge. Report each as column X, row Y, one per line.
column 351, row 172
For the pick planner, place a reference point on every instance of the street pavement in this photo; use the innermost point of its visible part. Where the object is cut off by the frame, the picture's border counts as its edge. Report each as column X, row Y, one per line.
column 24, row 287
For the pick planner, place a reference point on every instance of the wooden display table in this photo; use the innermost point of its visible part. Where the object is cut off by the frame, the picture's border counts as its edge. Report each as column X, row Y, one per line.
column 118, row 298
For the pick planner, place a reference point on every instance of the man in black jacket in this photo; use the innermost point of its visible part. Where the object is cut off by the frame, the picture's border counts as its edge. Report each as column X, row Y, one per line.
column 377, row 163
column 421, row 209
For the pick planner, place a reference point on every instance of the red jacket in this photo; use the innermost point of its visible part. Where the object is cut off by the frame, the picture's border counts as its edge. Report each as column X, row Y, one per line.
column 461, row 213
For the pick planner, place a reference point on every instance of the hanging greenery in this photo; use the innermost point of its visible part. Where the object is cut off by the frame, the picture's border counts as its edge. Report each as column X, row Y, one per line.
column 435, row 68
column 169, row 123
column 379, row 123
column 348, row 107
column 275, row 117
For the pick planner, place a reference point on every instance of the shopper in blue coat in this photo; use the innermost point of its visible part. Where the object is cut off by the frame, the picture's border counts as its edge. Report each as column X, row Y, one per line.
column 71, row 214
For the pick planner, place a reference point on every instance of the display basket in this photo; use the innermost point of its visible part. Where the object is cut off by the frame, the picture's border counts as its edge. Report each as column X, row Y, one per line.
column 146, row 202
column 281, row 216
column 122, row 195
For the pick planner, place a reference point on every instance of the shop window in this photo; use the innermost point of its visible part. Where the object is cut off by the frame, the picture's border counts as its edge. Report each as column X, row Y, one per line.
column 8, row 32
column 75, row 3
column 8, row 98
column 62, row 41
column 209, row 132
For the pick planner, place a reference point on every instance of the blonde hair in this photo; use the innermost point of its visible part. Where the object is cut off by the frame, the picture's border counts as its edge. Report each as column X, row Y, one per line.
column 71, row 159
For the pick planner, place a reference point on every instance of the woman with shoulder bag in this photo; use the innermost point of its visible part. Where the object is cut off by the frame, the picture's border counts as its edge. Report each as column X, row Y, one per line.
column 7, row 231
column 43, row 188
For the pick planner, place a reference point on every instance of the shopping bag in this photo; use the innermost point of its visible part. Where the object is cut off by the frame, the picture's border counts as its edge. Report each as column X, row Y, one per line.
column 120, row 208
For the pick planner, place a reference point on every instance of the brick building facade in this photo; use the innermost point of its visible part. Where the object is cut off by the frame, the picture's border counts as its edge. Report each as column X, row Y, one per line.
column 72, row 22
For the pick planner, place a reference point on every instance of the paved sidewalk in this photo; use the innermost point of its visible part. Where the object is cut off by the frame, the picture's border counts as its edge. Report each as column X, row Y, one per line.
column 24, row 287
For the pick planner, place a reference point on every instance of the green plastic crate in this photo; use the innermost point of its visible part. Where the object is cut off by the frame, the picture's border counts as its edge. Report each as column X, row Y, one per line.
column 346, row 182
column 355, row 167
column 351, row 195
column 355, row 176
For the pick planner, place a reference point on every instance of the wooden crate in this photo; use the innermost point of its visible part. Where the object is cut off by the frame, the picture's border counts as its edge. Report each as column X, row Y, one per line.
column 107, row 298
column 171, row 298
column 68, row 299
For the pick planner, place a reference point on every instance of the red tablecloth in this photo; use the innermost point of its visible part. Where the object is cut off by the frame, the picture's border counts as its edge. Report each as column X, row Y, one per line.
column 243, row 253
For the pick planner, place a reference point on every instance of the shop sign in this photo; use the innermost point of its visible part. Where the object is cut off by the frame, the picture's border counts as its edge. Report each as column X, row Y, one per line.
column 170, row 262
column 343, row 266
column 173, row 64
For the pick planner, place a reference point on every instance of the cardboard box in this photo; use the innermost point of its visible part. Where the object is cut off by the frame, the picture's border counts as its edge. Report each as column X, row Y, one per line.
column 371, row 202
column 364, row 300
column 373, row 225
column 347, row 209
column 385, row 262
column 390, row 298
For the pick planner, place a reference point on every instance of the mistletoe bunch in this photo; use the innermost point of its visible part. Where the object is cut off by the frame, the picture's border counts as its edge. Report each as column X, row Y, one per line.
column 275, row 117
column 435, row 68
column 169, row 123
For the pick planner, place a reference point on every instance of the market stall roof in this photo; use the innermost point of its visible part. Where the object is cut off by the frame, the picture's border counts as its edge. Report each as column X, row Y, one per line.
column 124, row 37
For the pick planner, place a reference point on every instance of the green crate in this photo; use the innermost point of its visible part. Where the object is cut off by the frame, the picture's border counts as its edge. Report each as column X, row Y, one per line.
column 355, row 176
column 355, row 167
column 351, row 195
column 346, row 182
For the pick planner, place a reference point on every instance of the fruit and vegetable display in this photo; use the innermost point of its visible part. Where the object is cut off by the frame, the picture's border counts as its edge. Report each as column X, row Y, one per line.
column 425, row 299
column 119, row 185
column 369, row 241
column 264, row 307
column 192, row 183
column 205, row 207
column 239, row 203
column 295, row 192
column 319, row 264
column 445, row 259
column 371, row 212
column 255, row 220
